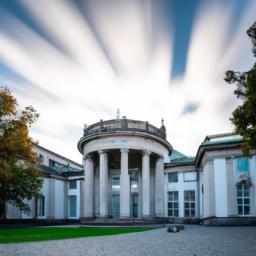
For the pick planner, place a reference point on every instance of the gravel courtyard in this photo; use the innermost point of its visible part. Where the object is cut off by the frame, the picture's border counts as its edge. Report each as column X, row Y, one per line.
column 194, row 241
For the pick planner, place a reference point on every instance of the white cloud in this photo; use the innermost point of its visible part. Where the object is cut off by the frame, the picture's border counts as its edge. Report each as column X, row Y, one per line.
column 87, row 87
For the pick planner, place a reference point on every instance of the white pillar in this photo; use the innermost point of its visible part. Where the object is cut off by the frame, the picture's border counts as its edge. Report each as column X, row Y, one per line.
column 159, row 187
column 88, row 186
column 103, row 184
column 124, row 185
column 146, row 184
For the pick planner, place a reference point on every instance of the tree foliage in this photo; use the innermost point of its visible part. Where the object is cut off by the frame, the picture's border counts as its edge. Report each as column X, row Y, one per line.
column 244, row 116
column 18, row 171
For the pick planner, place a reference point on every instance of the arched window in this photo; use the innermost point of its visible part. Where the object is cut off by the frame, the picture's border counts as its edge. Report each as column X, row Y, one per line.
column 243, row 199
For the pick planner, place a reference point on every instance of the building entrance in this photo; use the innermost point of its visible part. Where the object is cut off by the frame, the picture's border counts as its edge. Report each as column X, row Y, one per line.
column 134, row 205
column 115, row 206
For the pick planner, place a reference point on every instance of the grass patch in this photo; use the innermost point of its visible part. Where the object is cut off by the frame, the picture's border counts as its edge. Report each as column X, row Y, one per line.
column 51, row 233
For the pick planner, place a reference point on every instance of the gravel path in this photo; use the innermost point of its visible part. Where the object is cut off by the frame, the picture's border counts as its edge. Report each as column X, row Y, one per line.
column 194, row 241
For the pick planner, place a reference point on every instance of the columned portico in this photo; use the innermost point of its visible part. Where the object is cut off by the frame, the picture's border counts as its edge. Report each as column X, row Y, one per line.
column 124, row 185
column 88, row 188
column 146, row 184
column 103, row 184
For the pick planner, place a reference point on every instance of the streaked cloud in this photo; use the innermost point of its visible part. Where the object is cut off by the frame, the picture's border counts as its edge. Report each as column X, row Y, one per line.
column 89, row 59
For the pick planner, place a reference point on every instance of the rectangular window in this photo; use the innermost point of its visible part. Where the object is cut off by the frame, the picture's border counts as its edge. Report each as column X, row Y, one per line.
column 242, row 164
column 58, row 166
column 72, row 184
column 72, row 206
column 115, row 180
column 41, row 159
column 243, row 199
column 172, row 177
column 41, row 206
column 173, row 204
column 190, row 176
column 134, row 181
column 189, row 203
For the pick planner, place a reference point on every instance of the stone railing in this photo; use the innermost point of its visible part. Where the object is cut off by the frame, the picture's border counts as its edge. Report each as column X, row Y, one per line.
column 124, row 125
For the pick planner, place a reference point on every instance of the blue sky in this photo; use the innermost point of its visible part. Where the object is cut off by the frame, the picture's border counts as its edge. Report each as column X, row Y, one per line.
column 78, row 61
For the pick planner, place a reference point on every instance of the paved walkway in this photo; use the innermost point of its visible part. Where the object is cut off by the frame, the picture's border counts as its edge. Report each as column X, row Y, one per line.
column 194, row 241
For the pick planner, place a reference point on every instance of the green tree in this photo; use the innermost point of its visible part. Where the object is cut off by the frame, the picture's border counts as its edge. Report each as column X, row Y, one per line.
column 18, row 172
column 244, row 116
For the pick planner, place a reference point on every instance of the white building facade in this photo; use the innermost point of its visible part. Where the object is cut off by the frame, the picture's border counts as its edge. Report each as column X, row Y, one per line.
column 131, row 172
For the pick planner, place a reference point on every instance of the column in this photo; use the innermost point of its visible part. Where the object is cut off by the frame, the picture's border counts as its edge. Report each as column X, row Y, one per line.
column 159, row 187
column 103, row 184
column 88, row 186
column 145, row 184
column 51, row 200
column 231, row 193
column 209, row 194
column 124, row 186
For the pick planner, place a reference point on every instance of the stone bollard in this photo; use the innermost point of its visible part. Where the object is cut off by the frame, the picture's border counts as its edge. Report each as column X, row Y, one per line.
column 174, row 228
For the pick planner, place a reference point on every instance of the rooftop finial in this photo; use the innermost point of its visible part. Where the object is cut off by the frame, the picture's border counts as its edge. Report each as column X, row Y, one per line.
column 118, row 114
column 162, row 126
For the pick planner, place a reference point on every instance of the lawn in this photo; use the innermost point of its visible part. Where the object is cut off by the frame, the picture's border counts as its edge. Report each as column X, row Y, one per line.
column 51, row 233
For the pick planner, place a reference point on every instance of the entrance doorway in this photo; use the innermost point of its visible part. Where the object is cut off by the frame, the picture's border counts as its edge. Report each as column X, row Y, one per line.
column 134, row 205
column 115, row 206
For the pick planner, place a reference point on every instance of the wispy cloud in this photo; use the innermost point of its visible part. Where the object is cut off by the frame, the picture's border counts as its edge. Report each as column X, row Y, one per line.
column 121, row 56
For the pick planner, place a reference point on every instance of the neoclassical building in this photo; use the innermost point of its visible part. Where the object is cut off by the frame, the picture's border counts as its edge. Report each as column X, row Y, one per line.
column 131, row 172
column 124, row 169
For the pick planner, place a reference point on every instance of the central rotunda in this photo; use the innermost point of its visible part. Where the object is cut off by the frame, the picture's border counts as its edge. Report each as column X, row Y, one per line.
column 124, row 169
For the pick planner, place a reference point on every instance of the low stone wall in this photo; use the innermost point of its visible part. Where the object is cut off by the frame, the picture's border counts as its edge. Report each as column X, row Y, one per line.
column 183, row 220
column 230, row 221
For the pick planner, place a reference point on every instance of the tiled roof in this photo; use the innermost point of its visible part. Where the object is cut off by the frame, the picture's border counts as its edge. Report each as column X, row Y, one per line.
column 178, row 158
column 176, row 154
column 183, row 160
column 224, row 141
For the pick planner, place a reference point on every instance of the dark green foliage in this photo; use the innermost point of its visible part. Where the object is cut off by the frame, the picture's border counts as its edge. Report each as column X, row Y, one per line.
column 244, row 116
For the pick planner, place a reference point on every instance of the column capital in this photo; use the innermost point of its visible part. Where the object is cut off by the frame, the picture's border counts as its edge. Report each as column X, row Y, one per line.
column 160, row 157
column 146, row 152
column 101, row 152
column 124, row 150
column 87, row 156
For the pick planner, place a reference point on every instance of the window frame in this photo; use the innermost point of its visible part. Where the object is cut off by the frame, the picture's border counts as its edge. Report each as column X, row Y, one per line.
column 41, row 206
column 72, row 182
column 41, row 158
column 173, row 173
column 196, row 178
column 69, row 206
column 173, row 202
column 242, row 198
column 57, row 166
column 115, row 177
column 190, row 202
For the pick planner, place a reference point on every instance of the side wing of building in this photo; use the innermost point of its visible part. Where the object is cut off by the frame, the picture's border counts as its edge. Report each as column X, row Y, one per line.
column 216, row 187
column 61, row 192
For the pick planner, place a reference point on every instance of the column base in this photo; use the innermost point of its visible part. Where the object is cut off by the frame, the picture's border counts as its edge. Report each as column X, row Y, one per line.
column 103, row 217
column 125, row 217
column 159, row 215
column 88, row 215
column 147, row 217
